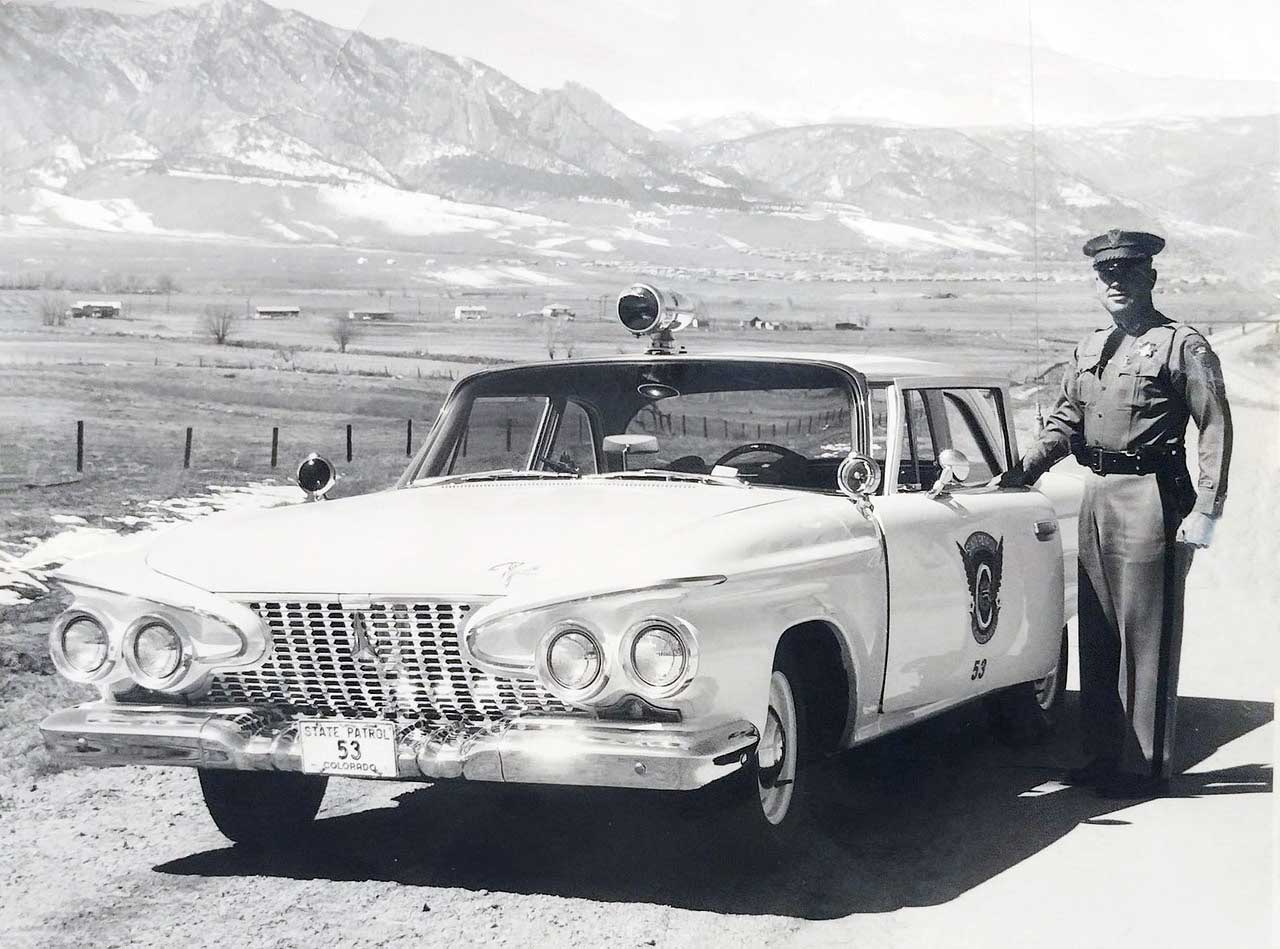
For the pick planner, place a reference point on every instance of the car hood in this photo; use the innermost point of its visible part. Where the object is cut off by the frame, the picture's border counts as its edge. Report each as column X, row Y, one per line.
column 461, row 539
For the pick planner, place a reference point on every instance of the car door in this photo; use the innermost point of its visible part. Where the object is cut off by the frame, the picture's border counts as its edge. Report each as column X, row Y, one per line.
column 975, row 573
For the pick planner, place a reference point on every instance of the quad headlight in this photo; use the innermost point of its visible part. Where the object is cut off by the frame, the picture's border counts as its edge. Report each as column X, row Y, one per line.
column 155, row 652
column 81, row 647
column 660, row 654
column 573, row 658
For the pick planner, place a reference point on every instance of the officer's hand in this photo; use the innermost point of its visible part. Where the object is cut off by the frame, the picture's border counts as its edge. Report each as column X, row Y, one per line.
column 1197, row 530
column 1013, row 478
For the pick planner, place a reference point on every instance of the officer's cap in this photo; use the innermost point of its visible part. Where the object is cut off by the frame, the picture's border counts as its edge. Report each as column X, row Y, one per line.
column 1116, row 244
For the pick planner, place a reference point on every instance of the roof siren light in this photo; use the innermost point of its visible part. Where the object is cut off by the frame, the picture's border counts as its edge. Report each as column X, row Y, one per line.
column 646, row 310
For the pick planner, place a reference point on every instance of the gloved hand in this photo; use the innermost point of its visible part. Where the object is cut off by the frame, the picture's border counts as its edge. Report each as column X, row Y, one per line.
column 1197, row 529
column 1015, row 477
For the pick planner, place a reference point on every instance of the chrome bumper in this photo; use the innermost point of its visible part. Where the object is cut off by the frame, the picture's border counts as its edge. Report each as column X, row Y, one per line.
column 532, row 750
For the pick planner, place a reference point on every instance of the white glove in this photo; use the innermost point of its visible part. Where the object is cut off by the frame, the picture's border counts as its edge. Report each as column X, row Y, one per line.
column 1197, row 530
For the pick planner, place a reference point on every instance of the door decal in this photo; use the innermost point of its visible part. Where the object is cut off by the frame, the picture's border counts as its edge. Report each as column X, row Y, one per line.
column 983, row 558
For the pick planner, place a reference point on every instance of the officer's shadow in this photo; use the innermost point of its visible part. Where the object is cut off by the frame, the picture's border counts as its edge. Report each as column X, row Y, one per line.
column 915, row 819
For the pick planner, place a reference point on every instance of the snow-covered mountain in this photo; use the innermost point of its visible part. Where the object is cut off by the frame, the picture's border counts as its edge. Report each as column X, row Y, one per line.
column 237, row 118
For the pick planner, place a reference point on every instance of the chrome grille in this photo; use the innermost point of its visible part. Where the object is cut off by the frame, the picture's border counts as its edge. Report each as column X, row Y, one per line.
column 415, row 673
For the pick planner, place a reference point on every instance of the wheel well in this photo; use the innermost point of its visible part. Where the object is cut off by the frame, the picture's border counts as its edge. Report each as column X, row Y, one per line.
column 815, row 647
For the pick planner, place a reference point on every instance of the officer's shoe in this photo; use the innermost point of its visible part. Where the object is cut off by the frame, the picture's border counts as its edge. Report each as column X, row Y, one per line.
column 1096, row 771
column 1132, row 787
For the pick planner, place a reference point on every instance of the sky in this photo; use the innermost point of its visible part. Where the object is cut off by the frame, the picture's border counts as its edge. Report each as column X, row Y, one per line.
column 921, row 61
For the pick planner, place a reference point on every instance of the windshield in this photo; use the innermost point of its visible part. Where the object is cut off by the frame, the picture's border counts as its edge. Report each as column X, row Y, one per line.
column 776, row 423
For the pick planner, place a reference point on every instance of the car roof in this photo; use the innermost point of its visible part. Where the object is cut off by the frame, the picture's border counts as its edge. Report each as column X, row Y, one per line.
column 875, row 367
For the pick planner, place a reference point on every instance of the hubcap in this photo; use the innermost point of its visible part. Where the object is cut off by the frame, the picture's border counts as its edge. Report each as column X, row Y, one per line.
column 776, row 771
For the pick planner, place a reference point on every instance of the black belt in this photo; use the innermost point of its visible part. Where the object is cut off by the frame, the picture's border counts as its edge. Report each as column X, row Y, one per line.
column 1140, row 461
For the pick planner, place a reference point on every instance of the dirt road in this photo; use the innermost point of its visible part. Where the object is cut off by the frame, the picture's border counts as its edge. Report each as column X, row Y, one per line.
column 939, row 837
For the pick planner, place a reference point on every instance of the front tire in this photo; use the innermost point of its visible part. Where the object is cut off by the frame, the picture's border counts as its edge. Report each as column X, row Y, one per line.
column 764, row 800
column 262, row 809
column 1029, row 712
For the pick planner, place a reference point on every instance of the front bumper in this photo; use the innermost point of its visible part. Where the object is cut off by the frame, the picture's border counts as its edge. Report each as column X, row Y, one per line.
column 531, row 750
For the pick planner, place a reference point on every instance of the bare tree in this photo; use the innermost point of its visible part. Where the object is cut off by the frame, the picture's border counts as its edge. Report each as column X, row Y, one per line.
column 52, row 308
column 219, row 322
column 342, row 331
column 167, row 285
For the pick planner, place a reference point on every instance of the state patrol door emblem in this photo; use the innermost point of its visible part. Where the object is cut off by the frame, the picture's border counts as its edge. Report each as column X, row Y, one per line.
column 983, row 558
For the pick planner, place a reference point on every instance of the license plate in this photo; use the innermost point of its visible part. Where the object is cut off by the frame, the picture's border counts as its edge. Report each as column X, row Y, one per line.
column 354, row 748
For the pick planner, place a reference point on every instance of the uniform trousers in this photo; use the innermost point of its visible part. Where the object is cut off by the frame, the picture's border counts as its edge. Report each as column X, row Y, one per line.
column 1131, row 584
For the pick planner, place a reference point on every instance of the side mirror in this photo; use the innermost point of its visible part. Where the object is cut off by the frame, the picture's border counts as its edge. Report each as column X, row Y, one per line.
column 955, row 468
column 316, row 476
column 858, row 476
column 625, row 445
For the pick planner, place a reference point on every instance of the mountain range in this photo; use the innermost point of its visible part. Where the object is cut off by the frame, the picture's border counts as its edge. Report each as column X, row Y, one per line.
column 235, row 118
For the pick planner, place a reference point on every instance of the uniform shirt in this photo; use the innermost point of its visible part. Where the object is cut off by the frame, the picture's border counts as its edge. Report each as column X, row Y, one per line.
column 1142, row 397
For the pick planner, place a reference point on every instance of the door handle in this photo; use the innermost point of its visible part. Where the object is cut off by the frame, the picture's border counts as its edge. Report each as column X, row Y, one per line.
column 1046, row 529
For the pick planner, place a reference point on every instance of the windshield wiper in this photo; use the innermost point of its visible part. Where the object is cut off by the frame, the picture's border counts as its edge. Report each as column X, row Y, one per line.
column 659, row 474
column 502, row 474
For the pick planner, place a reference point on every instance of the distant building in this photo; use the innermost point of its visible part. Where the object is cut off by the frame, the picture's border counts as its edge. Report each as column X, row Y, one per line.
column 370, row 315
column 470, row 312
column 96, row 309
column 557, row 311
column 755, row 323
column 849, row 326
column 276, row 312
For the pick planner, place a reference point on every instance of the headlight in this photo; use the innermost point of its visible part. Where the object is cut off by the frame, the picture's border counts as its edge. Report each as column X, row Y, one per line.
column 573, row 659
column 154, row 651
column 659, row 656
column 84, row 646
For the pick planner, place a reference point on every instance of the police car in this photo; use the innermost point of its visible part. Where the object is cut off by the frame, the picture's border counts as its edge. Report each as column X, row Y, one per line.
column 667, row 570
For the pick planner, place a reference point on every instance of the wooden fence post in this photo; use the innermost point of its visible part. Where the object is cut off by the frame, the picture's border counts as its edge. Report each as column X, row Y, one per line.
column 508, row 434
column 348, row 443
column 275, row 445
column 80, row 446
column 408, row 438
column 186, row 452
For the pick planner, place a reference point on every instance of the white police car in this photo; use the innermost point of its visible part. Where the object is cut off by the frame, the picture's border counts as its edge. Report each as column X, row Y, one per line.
column 659, row 571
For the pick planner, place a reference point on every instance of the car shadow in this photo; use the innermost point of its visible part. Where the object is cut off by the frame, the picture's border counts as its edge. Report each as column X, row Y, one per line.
column 914, row 819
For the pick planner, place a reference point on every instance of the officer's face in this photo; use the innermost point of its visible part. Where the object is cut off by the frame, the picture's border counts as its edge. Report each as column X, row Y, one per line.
column 1124, row 284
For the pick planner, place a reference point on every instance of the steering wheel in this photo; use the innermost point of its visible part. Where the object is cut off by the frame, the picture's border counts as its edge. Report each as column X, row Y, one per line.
column 790, row 468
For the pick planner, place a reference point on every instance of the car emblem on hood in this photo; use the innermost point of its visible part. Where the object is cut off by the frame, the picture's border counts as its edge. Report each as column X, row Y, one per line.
column 511, row 569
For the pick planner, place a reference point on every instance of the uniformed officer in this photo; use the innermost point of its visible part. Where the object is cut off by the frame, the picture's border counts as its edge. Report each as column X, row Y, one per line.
column 1126, row 397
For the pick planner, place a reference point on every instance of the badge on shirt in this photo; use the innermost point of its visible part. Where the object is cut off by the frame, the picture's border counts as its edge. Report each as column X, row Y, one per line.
column 1147, row 349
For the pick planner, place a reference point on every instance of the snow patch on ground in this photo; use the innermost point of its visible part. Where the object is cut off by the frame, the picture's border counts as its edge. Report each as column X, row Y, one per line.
column 119, row 215
column 601, row 245
column 735, row 243
column 631, row 234
column 1080, row 195
column 482, row 277
column 413, row 213
column 26, row 564
column 907, row 235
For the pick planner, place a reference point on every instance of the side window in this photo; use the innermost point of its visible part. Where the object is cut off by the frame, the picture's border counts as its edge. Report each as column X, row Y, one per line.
column 574, row 445
column 919, row 469
column 879, row 423
column 971, row 431
column 499, row 434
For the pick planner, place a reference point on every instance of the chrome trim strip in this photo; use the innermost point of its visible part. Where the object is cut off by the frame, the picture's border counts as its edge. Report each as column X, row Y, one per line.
column 529, row 750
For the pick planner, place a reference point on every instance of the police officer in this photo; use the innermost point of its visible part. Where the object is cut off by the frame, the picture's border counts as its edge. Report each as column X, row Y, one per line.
column 1126, row 397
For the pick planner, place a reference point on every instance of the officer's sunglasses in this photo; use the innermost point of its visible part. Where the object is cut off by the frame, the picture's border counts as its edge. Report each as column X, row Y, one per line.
column 1120, row 269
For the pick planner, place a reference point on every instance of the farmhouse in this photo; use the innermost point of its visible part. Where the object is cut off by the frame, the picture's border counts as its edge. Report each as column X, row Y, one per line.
column 96, row 309
column 470, row 312
column 276, row 312
column 557, row 311
column 370, row 315
column 755, row 323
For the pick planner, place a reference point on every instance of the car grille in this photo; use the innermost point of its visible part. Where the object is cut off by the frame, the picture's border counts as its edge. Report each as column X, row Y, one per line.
column 418, row 675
